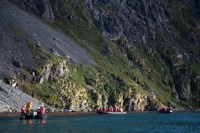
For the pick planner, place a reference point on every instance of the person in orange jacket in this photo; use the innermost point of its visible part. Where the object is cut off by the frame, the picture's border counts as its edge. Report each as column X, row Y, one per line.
column 29, row 107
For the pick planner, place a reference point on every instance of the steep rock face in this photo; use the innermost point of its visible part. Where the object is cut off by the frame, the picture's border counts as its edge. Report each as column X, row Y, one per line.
column 21, row 28
column 194, row 5
column 51, row 70
column 184, row 90
column 146, row 21
column 41, row 8
column 138, row 103
column 132, row 22
column 135, row 21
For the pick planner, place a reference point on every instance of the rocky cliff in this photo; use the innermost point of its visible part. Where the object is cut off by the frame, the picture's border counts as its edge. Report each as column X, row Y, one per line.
column 21, row 34
column 165, row 27
column 141, row 54
column 41, row 8
column 134, row 21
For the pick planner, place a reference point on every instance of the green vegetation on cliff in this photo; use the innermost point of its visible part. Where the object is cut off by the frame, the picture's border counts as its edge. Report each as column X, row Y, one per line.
column 146, row 74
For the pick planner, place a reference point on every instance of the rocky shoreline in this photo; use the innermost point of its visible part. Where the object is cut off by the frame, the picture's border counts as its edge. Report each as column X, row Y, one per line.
column 65, row 113
column 50, row 114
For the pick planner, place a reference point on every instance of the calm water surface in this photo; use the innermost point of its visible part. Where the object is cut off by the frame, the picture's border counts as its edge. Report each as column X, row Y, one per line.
column 130, row 123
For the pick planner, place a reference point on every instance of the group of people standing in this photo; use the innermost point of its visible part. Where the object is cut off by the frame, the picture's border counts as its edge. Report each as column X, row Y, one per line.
column 28, row 108
column 111, row 109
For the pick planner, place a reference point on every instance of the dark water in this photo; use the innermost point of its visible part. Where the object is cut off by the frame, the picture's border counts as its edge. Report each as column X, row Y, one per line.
column 130, row 123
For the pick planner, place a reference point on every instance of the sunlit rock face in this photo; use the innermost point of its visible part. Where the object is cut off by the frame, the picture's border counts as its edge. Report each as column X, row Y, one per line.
column 129, row 22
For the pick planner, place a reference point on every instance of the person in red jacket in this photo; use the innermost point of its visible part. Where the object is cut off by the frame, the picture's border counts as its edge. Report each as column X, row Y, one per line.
column 42, row 110
column 23, row 110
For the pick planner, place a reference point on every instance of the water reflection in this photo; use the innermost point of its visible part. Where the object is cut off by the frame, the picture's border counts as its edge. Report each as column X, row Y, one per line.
column 32, row 121
column 29, row 124
column 43, row 121
column 29, row 121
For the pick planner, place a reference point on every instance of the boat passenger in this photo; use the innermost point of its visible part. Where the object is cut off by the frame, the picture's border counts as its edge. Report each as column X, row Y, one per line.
column 114, row 109
column 120, row 110
column 23, row 110
column 110, row 109
column 165, row 109
column 29, row 107
column 42, row 110
column 169, row 108
column 101, row 109
column 117, row 109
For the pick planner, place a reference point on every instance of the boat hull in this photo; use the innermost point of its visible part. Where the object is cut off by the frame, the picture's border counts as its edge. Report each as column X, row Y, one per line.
column 168, row 111
column 111, row 113
column 25, row 116
column 33, row 115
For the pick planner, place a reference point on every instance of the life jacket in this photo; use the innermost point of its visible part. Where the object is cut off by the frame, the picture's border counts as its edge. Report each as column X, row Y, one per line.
column 117, row 109
column 42, row 110
column 111, row 109
column 23, row 110
column 114, row 109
